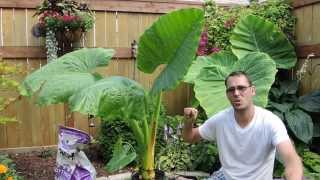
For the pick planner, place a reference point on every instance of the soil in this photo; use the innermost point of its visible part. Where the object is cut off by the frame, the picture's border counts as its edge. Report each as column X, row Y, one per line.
column 41, row 165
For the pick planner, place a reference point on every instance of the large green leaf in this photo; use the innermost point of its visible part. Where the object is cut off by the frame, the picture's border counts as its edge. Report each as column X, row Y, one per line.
column 172, row 40
column 111, row 98
column 300, row 123
column 68, row 74
column 61, row 87
column 122, row 155
column 205, row 61
column 254, row 34
column 210, row 88
column 310, row 102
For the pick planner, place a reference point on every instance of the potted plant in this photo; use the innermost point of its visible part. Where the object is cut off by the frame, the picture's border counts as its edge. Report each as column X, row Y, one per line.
column 61, row 22
column 172, row 40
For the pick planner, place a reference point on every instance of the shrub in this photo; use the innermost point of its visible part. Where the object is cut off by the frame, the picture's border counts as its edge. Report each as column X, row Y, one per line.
column 7, row 169
column 221, row 21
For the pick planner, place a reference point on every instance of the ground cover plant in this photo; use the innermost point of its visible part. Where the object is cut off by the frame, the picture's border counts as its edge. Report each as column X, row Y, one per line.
column 7, row 169
column 171, row 40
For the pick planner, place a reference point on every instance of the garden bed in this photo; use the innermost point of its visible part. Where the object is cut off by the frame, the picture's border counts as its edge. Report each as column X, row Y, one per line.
column 40, row 165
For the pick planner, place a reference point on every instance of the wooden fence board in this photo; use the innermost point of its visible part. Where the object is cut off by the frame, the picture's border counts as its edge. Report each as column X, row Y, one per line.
column 307, row 26
column 100, row 29
column 45, row 126
column 315, row 74
column 141, row 6
column 3, row 136
column 32, row 41
column 19, row 27
column 316, row 24
column 7, row 25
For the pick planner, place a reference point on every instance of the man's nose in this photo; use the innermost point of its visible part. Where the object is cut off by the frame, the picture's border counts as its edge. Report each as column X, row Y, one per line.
column 236, row 92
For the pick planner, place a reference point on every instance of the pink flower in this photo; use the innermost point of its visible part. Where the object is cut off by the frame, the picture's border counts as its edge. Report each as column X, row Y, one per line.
column 215, row 50
column 202, row 49
column 68, row 18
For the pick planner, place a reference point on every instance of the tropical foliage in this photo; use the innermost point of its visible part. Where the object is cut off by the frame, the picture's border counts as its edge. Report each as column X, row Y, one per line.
column 8, row 86
column 285, row 102
column 221, row 21
column 171, row 40
column 258, row 59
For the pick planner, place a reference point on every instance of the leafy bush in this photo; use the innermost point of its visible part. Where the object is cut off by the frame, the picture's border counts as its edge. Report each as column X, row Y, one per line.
column 7, row 169
column 7, row 85
column 110, row 132
column 311, row 162
column 204, row 157
column 175, row 154
column 221, row 21
column 285, row 103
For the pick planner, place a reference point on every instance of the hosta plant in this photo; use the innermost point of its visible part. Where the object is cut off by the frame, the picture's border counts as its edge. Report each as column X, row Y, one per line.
column 172, row 40
column 294, row 110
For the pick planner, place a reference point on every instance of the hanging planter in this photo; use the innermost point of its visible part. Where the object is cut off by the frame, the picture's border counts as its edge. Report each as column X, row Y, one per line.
column 61, row 22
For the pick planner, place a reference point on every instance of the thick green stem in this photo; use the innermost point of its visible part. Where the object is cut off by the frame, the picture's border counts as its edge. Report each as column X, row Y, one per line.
column 148, row 169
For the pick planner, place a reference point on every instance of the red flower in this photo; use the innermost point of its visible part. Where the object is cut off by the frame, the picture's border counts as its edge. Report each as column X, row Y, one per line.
column 68, row 18
column 215, row 50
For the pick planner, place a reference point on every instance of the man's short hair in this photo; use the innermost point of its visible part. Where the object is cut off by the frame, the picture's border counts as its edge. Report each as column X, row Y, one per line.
column 238, row 73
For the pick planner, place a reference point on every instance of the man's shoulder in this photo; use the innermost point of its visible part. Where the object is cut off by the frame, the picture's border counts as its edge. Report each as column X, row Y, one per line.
column 265, row 112
column 223, row 113
column 267, row 116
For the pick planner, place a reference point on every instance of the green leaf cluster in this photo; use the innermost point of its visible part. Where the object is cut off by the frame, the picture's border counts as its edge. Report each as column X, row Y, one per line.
column 122, row 155
column 221, row 21
column 293, row 110
column 174, row 154
column 311, row 162
column 172, row 41
column 255, row 50
column 8, row 85
column 11, row 172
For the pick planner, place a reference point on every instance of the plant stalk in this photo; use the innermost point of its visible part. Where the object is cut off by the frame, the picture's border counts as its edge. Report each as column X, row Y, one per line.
column 148, row 169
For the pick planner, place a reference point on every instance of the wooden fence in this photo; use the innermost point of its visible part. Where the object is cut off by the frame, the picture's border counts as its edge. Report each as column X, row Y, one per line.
column 117, row 25
column 308, row 41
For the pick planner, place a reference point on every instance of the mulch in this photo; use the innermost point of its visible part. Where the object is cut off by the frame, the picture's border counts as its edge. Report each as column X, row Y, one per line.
column 40, row 165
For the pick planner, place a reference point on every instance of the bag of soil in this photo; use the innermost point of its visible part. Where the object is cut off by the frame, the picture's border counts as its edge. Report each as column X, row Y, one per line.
column 72, row 163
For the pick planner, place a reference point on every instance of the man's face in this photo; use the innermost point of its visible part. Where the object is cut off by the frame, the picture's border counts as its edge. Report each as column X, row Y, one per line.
column 239, row 92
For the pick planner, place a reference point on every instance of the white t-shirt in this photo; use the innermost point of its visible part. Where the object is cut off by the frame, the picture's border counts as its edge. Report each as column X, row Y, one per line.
column 245, row 153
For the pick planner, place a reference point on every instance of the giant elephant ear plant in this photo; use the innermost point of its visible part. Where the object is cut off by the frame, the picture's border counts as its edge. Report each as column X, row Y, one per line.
column 172, row 40
column 258, row 48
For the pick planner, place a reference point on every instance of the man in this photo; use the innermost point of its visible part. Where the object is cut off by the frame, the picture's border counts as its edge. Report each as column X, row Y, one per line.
column 247, row 136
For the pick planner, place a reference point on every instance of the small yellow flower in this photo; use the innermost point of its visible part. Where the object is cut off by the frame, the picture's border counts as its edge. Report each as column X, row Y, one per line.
column 3, row 169
column 10, row 178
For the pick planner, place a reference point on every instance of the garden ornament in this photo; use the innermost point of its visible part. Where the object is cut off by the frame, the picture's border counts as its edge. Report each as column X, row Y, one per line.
column 72, row 163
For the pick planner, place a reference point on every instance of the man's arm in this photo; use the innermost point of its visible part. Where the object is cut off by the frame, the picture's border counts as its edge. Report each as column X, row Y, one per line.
column 189, row 133
column 292, row 162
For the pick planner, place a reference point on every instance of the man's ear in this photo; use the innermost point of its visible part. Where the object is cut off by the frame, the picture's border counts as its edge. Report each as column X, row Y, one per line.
column 253, row 90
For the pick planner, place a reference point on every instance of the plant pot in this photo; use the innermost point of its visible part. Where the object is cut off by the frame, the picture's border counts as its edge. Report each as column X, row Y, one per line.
column 160, row 175
column 73, row 36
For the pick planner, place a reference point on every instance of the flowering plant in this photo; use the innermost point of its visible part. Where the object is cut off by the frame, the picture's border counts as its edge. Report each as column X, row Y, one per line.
column 61, row 22
column 63, row 15
column 7, row 169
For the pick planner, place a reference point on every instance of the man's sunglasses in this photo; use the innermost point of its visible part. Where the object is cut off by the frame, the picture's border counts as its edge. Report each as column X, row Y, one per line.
column 241, row 89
